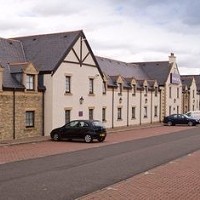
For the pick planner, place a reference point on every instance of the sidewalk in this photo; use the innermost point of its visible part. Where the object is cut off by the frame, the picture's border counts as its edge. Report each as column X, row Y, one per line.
column 179, row 179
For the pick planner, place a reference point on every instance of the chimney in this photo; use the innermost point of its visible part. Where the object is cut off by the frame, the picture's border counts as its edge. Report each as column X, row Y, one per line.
column 172, row 58
column 1, row 77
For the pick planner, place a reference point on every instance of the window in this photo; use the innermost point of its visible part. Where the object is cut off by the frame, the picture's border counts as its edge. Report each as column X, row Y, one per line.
column 30, row 82
column 170, row 92
column 120, row 88
column 193, row 93
column 104, row 88
column 145, row 112
column 133, row 89
column 68, row 84
column 145, row 90
column 177, row 109
column 91, row 86
column 133, row 112
column 67, row 116
column 170, row 110
column 156, row 91
column 30, row 115
column 91, row 114
column 103, row 114
column 155, row 111
column 177, row 92
column 119, row 113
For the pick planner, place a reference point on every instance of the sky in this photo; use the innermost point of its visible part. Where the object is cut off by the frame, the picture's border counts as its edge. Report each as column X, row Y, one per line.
column 125, row 30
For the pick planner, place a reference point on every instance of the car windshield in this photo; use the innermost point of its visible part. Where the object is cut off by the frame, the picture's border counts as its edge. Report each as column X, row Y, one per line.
column 97, row 123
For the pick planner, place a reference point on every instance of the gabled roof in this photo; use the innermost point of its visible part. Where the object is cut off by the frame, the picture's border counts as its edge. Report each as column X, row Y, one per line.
column 11, row 51
column 114, row 68
column 196, row 77
column 47, row 51
column 187, row 80
column 156, row 70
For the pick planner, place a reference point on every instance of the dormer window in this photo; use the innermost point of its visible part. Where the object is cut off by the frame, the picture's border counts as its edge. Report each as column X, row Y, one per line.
column 30, row 82
column 133, row 89
column 120, row 88
column 156, row 91
column 145, row 90
column 104, row 87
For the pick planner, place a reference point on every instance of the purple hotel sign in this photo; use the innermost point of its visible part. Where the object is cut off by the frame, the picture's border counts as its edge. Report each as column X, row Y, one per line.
column 175, row 78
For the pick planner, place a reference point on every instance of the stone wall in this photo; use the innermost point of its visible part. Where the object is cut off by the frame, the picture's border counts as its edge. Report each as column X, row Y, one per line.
column 12, row 121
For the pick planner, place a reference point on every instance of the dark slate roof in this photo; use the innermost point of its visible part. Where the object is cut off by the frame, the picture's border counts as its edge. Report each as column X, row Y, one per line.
column 11, row 51
column 196, row 77
column 117, row 68
column 186, row 81
column 156, row 70
column 47, row 51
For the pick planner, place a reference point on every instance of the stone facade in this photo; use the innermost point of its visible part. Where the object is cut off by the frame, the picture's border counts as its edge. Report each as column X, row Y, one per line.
column 13, row 107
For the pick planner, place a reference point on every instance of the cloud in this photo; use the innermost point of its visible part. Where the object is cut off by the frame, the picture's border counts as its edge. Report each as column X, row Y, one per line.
column 128, row 30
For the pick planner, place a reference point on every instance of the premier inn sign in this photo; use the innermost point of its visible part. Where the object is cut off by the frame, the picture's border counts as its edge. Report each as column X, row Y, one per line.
column 175, row 78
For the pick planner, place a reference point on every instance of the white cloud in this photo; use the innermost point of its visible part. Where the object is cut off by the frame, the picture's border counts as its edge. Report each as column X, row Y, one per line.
column 128, row 30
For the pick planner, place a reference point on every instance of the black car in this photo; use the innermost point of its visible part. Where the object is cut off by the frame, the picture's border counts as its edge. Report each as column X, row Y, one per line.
column 80, row 129
column 174, row 119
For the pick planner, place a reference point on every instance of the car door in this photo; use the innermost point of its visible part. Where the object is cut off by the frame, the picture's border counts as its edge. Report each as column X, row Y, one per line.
column 70, row 129
column 84, row 129
column 182, row 119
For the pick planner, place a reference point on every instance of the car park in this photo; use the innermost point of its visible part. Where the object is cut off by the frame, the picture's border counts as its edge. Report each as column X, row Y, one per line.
column 88, row 130
column 174, row 119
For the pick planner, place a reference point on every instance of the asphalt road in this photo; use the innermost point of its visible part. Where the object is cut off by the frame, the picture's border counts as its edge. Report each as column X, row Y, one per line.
column 71, row 175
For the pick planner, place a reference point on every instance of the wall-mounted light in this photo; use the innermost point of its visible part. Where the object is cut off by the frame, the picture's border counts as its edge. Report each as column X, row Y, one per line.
column 120, row 100
column 81, row 100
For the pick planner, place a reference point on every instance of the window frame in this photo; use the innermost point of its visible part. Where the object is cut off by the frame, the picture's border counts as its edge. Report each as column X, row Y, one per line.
column 30, row 82
column 120, row 89
column 119, row 113
column 133, row 112
column 103, row 114
column 156, row 91
column 67, row 84
column 30, row 119
column 91, row 86
column 155, row 111
column 91, row 113
column 133, row 89
column 145, row 90
column 145, row 112
column 67, row 116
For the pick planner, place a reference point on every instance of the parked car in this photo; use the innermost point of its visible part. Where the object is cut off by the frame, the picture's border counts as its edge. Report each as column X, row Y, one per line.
column 80, row 129
column 174, row 119
column 194, row 114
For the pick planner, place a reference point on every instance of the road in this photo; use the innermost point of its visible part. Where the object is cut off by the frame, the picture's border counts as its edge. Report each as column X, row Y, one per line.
column 71, row 175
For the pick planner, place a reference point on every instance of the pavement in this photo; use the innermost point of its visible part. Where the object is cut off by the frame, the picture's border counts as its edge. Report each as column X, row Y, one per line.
column 178, row 179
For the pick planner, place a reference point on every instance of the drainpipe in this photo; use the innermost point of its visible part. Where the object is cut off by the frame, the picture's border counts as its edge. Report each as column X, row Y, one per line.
column 128, row 107
column 160, row 105
column 140, row 107
column 43, row 115
column 113, row 107
column 151, row 107
column 14, row 111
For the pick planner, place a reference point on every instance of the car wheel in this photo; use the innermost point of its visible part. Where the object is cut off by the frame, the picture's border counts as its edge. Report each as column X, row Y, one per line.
column 101, row 139
column 190, row 124
column 56, row 137
column 169, row 123
column 88, row 138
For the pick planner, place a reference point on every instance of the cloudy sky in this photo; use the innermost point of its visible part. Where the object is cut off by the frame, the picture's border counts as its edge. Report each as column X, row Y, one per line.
column 126, row 30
